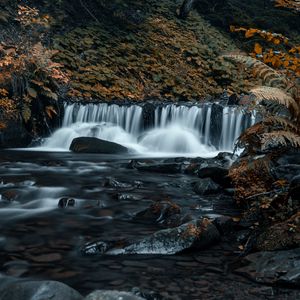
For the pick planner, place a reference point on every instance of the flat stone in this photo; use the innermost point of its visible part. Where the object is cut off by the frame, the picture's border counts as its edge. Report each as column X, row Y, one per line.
column 273, row 267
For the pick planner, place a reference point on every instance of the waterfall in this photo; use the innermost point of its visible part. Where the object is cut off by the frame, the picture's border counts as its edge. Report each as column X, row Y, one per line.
column 195, row 129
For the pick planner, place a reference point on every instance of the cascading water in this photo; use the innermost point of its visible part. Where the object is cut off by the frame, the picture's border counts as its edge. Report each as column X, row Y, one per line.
column 175, row 129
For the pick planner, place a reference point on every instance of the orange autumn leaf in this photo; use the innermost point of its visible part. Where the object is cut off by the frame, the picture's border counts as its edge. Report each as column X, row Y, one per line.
column 250, row 32
column 258, row 48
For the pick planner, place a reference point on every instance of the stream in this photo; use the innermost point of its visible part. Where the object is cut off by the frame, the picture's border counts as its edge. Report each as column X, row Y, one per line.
column 53, row 203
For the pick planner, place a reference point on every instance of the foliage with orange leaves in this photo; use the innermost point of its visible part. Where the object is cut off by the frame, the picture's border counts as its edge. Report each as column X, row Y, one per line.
column 279, row 53
column 27, row 69
column 290, row 4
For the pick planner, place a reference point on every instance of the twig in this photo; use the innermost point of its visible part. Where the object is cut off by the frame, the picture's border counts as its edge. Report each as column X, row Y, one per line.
column 260, row 194
column 88, row 11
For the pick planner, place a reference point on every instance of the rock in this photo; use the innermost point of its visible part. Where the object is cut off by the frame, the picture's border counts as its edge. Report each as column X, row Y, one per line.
column 276, row 267
column 290, row 157
column 294, row 189
column 14, row 135
column 111, row 182
column 165, row 213
column 168, row 168
column 206, row 186
column 66, row 202
column 148, row 114
column 217, row 174
column 38, row 290
column 286, row 172
column 233, row 100
column 224, row 224
column 216, row 124
column 95, row 145
column 196, row 234
column 112, row 295
column 96, row 248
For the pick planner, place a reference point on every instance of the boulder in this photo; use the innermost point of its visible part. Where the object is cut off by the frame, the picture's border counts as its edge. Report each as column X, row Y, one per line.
column 196, row 234
column 192, row 235
column 206, row 186
column 216, row 173
column 95, row 145
column 112, row 295
column 38, row 290
column 273, row 267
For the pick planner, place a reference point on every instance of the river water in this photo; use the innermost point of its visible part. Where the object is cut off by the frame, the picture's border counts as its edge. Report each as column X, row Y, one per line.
column 40, row 238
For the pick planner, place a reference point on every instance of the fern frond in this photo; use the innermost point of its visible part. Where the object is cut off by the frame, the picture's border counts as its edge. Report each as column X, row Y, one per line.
column 281, row 124
column 269, row 76
column 280, row 139
column 277, row 95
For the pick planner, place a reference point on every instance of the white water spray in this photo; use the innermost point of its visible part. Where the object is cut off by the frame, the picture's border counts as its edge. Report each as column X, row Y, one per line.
column 186, row 130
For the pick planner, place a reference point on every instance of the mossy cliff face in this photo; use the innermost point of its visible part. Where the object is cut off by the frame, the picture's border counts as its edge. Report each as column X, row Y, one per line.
column 161, row 57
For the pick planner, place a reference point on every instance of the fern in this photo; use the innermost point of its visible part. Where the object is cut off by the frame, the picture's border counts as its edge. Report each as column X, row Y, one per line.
column 279, row 96
column 281, row 124
column 269, row 76
column 281, row 138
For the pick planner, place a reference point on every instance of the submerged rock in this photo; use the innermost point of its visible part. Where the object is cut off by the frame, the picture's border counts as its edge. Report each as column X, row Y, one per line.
column 38, row 290
column 112, row 295
column 276, row 267
column 95, row 145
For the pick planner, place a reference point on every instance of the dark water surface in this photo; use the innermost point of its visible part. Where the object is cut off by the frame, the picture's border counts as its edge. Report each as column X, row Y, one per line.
column 40, row 240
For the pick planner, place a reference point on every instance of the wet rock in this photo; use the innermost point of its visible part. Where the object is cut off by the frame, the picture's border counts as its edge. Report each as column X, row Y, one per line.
column 224, row 224
column 276, row 267
column 66, row 202
column 287, row 172
column 113, row 183
column 38, row 290
column 165, row 213
column 196, row 234
column 206, row 186
column 159, row 212
column 95, row 145
column 216, row 123
column 148, row 114
column 168, row 168
column 128, row 197
column 290, row 157
column 112, row 295
column 217, row 174
column 96, row 248
column 233, row 100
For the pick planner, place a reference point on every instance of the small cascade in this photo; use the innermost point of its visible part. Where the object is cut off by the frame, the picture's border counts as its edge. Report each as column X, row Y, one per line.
column 127, row 117
column 174, row 129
